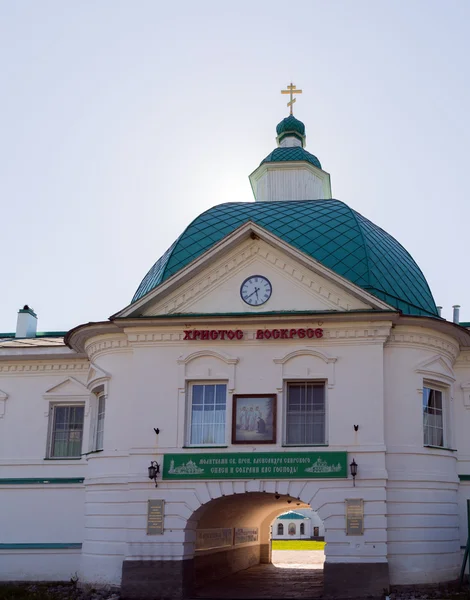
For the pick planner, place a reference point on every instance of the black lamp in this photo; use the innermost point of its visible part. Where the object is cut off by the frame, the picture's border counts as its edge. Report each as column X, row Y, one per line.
column 154, row 470
column 353, row 467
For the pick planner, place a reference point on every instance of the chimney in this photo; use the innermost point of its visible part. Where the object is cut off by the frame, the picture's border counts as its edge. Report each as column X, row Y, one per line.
column 439, row 310
column 456, row 317
column 27, row 323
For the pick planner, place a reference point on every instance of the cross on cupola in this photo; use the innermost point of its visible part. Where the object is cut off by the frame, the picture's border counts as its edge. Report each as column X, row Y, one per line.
column 291, row 89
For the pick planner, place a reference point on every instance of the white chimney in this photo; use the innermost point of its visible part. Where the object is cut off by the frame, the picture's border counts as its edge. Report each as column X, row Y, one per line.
column 439, row 310
column 456, row 317
column 27, row 323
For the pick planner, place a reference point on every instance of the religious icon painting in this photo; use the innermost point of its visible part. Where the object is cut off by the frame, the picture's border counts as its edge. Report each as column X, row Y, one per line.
column 254, row 419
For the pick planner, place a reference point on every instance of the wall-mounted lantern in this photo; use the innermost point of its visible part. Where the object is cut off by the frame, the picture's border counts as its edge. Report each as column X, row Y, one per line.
column 353, row 467
column 154, row 470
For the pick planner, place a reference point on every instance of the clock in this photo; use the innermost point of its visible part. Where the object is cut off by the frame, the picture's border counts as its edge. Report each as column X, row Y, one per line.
column 256, row 290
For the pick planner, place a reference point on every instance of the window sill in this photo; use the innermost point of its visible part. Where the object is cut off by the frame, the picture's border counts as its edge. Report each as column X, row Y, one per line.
column 63, row 458
column 305, row 445
column 203, row 447
column 440, row 448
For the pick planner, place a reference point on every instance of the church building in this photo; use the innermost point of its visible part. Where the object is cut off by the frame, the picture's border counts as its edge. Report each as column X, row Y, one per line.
column 283, row 354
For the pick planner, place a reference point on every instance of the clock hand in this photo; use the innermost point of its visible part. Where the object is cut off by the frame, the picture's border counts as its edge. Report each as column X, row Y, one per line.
column 255, row 292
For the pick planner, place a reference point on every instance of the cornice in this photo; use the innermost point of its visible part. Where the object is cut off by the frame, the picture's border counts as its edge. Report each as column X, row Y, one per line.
column 373, row 333
column 30, row 368
column 419, row 338
column 106, row 345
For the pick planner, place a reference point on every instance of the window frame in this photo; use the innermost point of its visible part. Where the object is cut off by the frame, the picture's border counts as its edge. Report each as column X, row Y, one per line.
column 189, row 396
column 100, row 396
column 445, row 400
column 280, row 529
column 287, row 382
column 51, row 429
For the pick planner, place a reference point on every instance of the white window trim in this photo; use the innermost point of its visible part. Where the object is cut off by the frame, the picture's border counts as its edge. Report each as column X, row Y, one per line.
column 284, row 411
column 188, row 412
column 99, row 389
column 445, row 390
column 50, row 432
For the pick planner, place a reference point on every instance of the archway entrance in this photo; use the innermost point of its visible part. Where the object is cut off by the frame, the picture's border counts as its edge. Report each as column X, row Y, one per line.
column 233, row 555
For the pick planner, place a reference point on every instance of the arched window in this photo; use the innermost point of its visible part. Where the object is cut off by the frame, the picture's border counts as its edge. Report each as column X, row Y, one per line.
column 292, row 529
column 302, row 529
column 280, row 529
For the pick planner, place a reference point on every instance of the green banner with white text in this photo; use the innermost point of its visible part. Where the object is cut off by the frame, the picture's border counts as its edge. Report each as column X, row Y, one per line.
column 255, row 465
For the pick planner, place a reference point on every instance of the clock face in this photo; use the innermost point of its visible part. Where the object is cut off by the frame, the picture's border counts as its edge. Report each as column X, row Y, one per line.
column 256, row 290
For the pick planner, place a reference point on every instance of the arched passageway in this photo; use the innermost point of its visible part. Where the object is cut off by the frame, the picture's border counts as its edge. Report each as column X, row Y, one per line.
column 233, row 551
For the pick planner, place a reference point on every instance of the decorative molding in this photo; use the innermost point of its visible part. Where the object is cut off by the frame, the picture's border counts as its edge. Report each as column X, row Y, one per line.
column 424, row 340
column 324, row 370
column 96, row 377
column 3, row 399
column 314, row 283
column 104, row 346
column 304, row 352
column 231, row 241
column 466, row 394
column 220, row 355
column 58, row 389
column 31, row 368
column 436, row 368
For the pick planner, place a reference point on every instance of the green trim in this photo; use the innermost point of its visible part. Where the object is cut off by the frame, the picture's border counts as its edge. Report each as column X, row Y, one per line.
column 72, row 546
column 464, row 477
column 41, row 480
column 464, row 324
column 268, row 313
column 39, row 334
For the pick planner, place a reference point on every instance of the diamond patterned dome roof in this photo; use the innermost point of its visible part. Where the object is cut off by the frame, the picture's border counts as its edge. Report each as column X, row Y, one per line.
column 327, row 230
column 294, row 153
column 290, row 123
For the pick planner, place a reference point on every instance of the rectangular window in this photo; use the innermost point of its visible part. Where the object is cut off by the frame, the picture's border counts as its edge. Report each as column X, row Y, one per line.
column 305, row 413
column 100, row 421
column 207, row 407
column 66, row 431
column 433, row 417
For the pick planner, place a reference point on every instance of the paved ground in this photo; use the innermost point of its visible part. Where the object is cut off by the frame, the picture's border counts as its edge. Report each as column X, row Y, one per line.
column 293, row 575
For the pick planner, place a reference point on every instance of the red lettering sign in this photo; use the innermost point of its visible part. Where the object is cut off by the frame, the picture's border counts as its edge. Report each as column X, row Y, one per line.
column 261, row 334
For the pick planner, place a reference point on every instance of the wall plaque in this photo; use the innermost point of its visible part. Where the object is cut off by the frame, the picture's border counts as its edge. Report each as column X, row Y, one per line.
column 155, row 512
column 256, row 465
column 206, row 539
column 243, row 535
column 354, row 516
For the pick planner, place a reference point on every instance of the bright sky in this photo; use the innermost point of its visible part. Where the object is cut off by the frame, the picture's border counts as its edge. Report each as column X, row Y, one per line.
column 121, row 121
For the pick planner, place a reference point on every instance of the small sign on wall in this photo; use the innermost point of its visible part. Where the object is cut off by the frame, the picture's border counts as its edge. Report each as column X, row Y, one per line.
column 354, row 516
column 207, row 539
column 243, row 535
column 155, row 514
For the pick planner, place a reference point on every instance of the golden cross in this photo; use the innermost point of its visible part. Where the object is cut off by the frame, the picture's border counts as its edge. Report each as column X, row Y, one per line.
column 291, row 89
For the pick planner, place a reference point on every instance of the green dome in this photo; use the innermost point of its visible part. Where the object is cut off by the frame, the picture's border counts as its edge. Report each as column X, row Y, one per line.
column 289, row 124
column 327, row 230
column 294, row 153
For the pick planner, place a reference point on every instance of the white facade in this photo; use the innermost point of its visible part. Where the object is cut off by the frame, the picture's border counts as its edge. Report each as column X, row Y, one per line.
column 88, row 514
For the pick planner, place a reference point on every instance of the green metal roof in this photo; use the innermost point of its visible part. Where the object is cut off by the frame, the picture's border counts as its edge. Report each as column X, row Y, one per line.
column 327, row 230
column 290, row 123
column 294, row 153
column 289, row 516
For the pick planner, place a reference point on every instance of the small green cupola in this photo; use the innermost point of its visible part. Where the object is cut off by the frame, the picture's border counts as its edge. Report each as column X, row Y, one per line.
column 290, row 129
